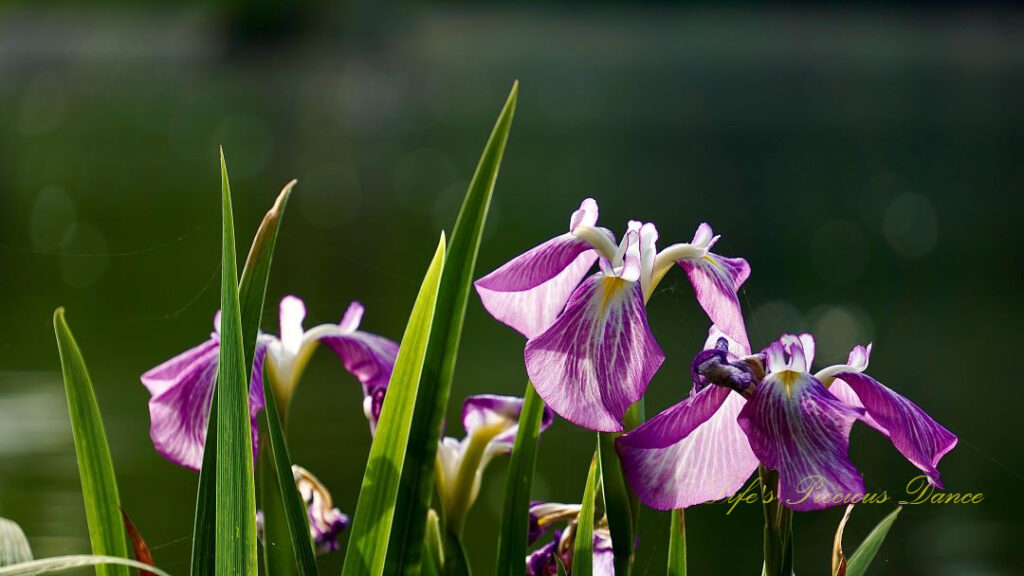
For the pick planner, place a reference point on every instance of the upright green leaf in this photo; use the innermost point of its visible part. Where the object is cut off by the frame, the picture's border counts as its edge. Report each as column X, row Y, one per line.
column 236, row 487
column 677, row 544
column 294, row 508
column 417, row 473
column 14, row 546
column 375, row 511
column 95, row 466
column 252, row 293
column 64, row 563
column 583, row 549
column 865, row 553
column 618, row 505
column 515, row 529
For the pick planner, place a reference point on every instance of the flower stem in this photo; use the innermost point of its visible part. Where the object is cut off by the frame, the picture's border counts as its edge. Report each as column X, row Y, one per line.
column 778, row 527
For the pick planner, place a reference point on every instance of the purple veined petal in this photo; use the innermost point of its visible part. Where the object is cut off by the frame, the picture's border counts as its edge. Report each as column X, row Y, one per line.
column 353, row 317
column 326, row 523
column 502, row 411
column 598, row 357
column 368, row 357
column 181, row 396
column 716, row 280
column 542, row 561
column 796, row 427
column 603, row 563
column 918, row 437
column 529, row 291
column 694, row 452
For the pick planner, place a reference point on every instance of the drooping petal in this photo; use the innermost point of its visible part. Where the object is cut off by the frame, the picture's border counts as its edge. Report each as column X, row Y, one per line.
column 694, row 452
column 368, row 357
column 488, row 410
column 716, row 280
column 603, row 563
column 796, row 427
column 598, row 357
column 181, row 396
column 528, row 292
column 326, row 523
column 918, row 437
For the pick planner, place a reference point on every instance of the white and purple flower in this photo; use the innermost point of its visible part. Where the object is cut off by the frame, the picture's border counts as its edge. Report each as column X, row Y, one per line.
column 326, row 523
column 590, row 353
column 770, row 408
column 181, row 388
column 491, row 423
column 544, row 560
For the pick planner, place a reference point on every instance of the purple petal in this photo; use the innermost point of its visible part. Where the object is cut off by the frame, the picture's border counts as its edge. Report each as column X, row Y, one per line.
column 597, row 358
column 693, row 452
column 603, row 563
column 528, row 292
column 797, row 428
column 368, row 357
column 790, row 353
column 493, row 410
column 715, row 280
column 181, row 394
column 918, row 437
column 542, row 561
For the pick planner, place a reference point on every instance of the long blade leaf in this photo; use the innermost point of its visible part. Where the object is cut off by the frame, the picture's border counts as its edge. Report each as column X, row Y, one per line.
column 252, row 291
column 14, row 546
column 294, row 509
column 512, row 541
column 236, row 487
column 62, row 563
column 95, row 466
column 583, row 550
column 861, row 559
column 617, row 503
column 417, row 482
column 677, row 545
column 375, row 511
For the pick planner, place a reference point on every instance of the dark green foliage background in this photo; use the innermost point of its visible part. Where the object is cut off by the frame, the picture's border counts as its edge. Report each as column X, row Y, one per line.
column 886, row 139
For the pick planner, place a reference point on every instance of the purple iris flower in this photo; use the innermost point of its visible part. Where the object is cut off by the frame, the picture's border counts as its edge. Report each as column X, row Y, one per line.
column 491, row 423
column 792, row 421
column 544, row 560
column 326, row 523
column 590, row 353
column 181, row 388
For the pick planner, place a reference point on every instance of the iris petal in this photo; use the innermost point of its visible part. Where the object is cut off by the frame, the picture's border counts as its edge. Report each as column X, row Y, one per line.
column 599, row 355
column 181, row 396
column 528, row 292
column 494, row 410
column 691, row 453
column 796, row 427
column 916, row 436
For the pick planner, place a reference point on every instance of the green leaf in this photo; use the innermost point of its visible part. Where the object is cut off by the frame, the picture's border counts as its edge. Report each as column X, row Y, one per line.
column 618, row 506
column 62, row 563
column 512, row 541
column 405, row 546
column 677, row 544
column 583, row 550
column 375, row 511
column 294, row 508
column 252, row 292
column 95, row 466
column 14, row 546
column 561, row 566
column 236, row 487
column 861, row 559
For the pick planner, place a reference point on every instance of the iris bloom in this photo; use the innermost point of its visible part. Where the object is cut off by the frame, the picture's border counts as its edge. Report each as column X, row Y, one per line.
column 544, row 560
column 770, row 408
column 491, row 423
column 181, row 388
column 326, row 523
column 590, row 353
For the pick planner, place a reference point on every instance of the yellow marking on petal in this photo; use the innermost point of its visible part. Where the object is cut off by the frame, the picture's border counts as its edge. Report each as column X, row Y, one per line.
column 788, row 378
column 712, row 261
column 611, row 287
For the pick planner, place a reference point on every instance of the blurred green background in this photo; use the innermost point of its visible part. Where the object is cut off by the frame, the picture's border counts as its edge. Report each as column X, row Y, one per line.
column 866, row 161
